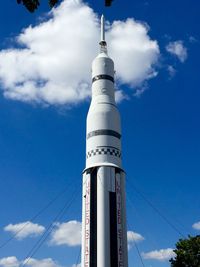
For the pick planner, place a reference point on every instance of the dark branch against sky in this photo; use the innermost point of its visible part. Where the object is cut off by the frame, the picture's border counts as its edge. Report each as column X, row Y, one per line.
column 32, row 5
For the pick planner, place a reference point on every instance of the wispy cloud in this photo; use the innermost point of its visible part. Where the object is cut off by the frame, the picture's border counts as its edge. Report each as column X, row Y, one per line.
column 140, row 90
column 171, row 71
column 14, row 262
column 160, row 255
column 134, row 237
column 68, row 233
column 24, row 229
column 120, row 96
column 9, row 262
column 42, row 263
column 196, row 226
column 52, row 61
column 178, row 49
column 192, row 39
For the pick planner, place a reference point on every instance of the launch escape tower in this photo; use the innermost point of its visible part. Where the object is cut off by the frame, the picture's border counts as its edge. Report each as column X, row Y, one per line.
column 104, row 234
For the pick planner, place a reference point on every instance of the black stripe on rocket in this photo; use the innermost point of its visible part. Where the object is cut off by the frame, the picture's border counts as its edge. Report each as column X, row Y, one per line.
column 103, row 77
column 104, row 132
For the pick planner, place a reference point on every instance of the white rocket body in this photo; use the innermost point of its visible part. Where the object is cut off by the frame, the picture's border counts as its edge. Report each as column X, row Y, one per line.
column 104, row 235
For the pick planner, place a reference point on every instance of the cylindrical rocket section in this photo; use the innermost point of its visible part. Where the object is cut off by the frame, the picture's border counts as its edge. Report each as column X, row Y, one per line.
column 104, row 234
column 86, row 219
column 103, row 217
column 103, row 121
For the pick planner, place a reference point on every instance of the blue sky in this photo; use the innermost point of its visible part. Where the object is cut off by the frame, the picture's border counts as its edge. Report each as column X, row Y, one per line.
column 44, row 98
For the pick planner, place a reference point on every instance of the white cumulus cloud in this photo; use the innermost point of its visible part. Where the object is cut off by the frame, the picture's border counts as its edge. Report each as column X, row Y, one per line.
column 68, row 233
column 178, row 49
column 196, row 226
column 133, row 237
column 41, row 263
column 24, row 229
column 14, row 262
column 51, row 61
column 160, row 255
column 133, row 51
column 9, row 262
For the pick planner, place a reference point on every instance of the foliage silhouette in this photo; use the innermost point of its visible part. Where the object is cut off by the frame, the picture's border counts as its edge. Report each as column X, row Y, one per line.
column 187, row 252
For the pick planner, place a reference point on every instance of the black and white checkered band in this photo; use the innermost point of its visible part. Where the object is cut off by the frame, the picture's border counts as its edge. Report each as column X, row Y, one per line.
column 104, row 151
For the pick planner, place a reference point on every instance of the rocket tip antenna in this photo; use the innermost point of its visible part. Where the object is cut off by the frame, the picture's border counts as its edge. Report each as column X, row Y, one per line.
column 102, row 28
column 102, row 42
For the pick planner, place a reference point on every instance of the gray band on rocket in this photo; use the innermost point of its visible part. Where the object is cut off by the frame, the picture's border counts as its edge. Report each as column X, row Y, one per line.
column 104, row 132
column 103, row 76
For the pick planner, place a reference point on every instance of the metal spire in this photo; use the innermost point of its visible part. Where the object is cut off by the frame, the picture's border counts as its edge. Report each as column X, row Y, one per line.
column 103, row 42
column 102, row 29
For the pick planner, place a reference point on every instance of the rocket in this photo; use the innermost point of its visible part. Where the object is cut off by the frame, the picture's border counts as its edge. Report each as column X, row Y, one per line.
column 104, row 234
